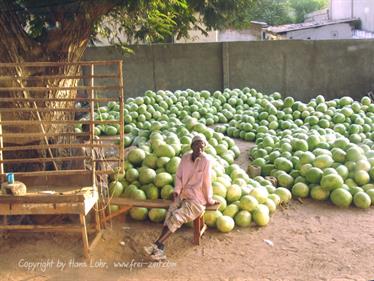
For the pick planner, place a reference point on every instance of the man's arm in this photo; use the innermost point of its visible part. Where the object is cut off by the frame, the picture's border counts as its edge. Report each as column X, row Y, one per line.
column 178, row 180
column 207, row 184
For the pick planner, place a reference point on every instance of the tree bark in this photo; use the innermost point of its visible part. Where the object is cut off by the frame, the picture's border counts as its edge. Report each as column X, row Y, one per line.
column 66, row 42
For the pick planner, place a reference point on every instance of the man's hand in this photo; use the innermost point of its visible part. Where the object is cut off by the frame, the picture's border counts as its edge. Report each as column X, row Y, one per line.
column 214, row 202
column 175, row 195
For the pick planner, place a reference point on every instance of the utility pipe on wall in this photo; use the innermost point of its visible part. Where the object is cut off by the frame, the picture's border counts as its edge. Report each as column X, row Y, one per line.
column 352, row 7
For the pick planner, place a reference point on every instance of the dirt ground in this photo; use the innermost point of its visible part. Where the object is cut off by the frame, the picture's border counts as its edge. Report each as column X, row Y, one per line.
column 305, row 241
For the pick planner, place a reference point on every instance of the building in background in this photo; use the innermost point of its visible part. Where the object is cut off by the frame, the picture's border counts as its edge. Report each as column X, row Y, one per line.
column 196, row 36
column 361, row 9
column 312, row 30
column 252, row 33
column 344, row 19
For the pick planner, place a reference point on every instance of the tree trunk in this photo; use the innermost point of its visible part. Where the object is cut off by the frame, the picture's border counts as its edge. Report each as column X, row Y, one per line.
column 64, row 43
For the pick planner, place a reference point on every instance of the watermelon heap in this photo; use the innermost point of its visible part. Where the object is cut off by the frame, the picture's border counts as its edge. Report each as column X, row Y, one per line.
column 319, row 149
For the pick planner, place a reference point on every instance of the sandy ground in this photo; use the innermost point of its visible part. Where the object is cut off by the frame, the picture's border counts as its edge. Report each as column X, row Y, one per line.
column 305, row 241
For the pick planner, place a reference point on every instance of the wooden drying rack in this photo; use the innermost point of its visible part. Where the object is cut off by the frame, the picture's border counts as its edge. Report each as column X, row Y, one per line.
column 59, row 190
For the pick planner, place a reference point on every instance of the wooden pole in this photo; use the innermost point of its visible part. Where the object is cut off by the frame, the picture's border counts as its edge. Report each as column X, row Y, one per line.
column 86, row 246
column 55, row 63
column 44, row 133
column 1, row 148
column 27, row 95
column 56, row 99
column 122, row 119
column 92, row 125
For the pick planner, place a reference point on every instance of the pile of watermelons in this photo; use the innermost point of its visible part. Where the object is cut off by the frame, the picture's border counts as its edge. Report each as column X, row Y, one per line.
column 320, row 149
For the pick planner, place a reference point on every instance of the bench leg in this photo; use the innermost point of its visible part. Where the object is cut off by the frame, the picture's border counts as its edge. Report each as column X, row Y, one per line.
column 97, row 217
column 196, row 231
column 84, row 235
column 102, row 214
column 122, row 210
column 5, row 223
column 199, row 228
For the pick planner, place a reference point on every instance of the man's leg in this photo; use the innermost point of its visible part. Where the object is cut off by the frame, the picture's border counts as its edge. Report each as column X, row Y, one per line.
column 156, row 250
column 181, row 214
column 159, row 251
column 165, row 234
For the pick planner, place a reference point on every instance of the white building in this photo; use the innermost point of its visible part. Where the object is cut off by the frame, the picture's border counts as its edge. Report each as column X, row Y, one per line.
column 252, row 33
column 361, row 9
column 313, row 30
column 196, row 36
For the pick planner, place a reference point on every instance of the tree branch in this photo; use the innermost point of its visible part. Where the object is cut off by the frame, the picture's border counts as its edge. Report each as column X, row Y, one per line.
column 18, row 45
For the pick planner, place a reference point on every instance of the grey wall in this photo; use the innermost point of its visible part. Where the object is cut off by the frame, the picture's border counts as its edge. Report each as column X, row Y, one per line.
column 173, row 67
column 302, row 69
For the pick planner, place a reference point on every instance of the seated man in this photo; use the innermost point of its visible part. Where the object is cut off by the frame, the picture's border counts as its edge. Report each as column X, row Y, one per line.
column 193, row 191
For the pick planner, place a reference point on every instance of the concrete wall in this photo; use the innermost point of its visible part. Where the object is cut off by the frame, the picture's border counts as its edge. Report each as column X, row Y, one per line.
column 302, row 69
column 166, row 66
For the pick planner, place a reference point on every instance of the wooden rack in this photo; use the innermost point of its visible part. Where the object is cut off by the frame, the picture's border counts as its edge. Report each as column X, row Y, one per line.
column 32, row 120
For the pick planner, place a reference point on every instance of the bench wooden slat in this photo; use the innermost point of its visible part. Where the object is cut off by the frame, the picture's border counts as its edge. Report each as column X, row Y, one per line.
column 158, row 203
column 77, row 194
column 50, row 173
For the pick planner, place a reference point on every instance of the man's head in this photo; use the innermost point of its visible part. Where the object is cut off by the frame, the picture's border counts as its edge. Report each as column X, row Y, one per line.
column 198, row 144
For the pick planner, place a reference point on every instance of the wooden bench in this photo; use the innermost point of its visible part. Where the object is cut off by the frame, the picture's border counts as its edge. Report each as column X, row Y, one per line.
column 55, row 195
column 199, row 226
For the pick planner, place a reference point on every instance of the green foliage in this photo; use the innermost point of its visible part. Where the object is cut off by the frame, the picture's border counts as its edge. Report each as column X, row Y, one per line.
column 138, row 20
column 159, row 21
column 145, row 20
column 38, row 17
column 303, row 7
column 277, row 12
column 219, row 14
column 273, row 12
column 72, row 23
